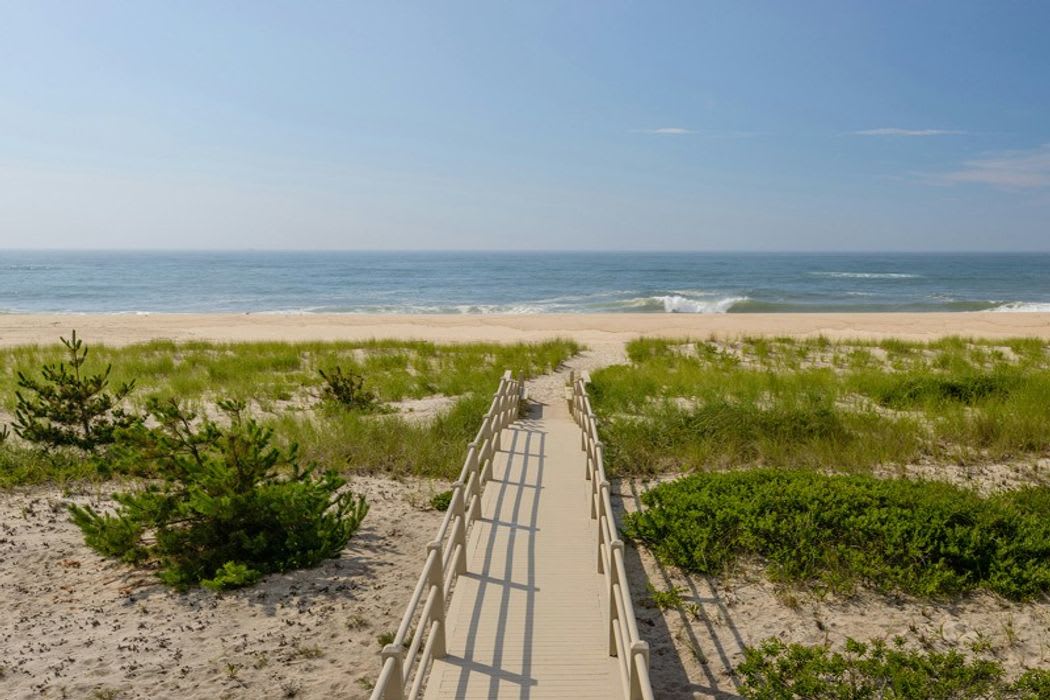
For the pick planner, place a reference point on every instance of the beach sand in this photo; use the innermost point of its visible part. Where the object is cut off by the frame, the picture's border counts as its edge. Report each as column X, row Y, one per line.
column 121, row 329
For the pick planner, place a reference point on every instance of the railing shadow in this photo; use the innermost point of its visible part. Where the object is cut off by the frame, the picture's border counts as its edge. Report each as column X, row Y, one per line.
column 669, row 676
column 500, row 580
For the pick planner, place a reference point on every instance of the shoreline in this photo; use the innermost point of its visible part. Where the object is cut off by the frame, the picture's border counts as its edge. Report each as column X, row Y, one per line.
column 124, row 329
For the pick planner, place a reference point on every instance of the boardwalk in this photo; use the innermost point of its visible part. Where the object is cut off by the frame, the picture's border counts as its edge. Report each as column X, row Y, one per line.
column 526, row 619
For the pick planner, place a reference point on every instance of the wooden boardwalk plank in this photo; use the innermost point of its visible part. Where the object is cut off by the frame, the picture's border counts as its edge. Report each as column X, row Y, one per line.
column 526, row 619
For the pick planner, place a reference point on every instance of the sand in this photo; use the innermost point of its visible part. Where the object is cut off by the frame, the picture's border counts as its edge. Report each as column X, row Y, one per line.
column 118, row 329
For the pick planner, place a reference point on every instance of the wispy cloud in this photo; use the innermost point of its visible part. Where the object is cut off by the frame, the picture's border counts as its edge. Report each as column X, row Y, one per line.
column 1013, row 170
column 667, row 130
column 893, row 131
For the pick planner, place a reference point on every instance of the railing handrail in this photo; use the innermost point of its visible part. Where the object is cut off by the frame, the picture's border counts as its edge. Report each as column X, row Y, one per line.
column 625, row 643
column 445, row 560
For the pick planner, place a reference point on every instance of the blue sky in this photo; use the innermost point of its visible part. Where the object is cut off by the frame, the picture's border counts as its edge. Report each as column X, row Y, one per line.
column 730, row 125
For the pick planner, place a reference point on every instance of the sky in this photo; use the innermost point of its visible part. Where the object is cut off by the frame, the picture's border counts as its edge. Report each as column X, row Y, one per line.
column 735, row 125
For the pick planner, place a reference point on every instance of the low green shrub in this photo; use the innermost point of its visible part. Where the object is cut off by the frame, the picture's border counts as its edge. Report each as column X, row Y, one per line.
column 876, row 671
column 666, row 600
column 1033, row 685
column 441, row 501
column 229, row 506
column 924, row 538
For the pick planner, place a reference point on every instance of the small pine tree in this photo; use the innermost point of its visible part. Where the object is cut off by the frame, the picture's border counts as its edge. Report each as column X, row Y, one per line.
column 66, row 408
column 230, row 507
column 346, row 389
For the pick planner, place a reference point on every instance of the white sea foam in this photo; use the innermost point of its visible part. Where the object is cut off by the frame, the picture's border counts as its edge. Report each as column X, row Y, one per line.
column 683, row 305
column 1023, row 306
column 499, row 309
column 867, row 275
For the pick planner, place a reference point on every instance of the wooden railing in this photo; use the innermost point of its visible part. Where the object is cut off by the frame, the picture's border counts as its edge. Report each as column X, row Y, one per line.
column 423, row 625
column 624, row 641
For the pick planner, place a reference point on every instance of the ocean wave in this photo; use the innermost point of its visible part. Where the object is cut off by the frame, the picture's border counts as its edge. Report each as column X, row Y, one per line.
column 499, row 309
column 676, row 304
column 867, row 275
column 1024, row 306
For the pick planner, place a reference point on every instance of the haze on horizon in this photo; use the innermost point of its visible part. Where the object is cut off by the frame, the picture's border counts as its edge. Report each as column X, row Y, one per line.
column 668, row 125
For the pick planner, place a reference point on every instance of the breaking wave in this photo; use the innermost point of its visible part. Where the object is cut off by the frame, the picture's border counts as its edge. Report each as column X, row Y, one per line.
column 676, row 304
column 1023, row 306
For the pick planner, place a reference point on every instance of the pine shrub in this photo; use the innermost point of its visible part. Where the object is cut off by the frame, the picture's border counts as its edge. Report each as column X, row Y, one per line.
column 227, row 506
column 67, row 407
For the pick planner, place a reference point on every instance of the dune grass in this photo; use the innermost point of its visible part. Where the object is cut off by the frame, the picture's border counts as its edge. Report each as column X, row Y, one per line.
column 282, row 380
column 923, row 538
column 394, row 369
column 21, row 465
column 689, row 405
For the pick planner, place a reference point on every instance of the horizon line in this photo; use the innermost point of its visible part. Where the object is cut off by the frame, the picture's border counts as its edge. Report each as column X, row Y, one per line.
column 715, row 251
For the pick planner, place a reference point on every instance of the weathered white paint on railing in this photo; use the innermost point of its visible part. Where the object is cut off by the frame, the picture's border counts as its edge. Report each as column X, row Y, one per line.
column 624, row 641
column 403, row 664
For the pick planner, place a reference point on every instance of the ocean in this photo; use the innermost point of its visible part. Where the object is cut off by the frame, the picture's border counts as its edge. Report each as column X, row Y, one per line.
column 506, row 282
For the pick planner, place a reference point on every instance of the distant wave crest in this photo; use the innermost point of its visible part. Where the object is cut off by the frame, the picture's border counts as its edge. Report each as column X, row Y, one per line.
column 867, row 275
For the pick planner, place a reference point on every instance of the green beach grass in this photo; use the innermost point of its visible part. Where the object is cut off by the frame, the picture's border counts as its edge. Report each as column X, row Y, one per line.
column 282, row 381
column 681, row 406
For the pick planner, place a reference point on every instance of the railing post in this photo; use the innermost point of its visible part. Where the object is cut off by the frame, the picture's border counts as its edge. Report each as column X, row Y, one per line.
column 395, row 688
column 592, row 434
column 436, row 579
column 572, row 393
column 485, row 460
column 473, row 462
column 601, row 546
column 583, row 432
column 474, row 497
column 459, row 532
column 639, row 657
column 614, row 546
column 497, row 431
column 597, row 508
